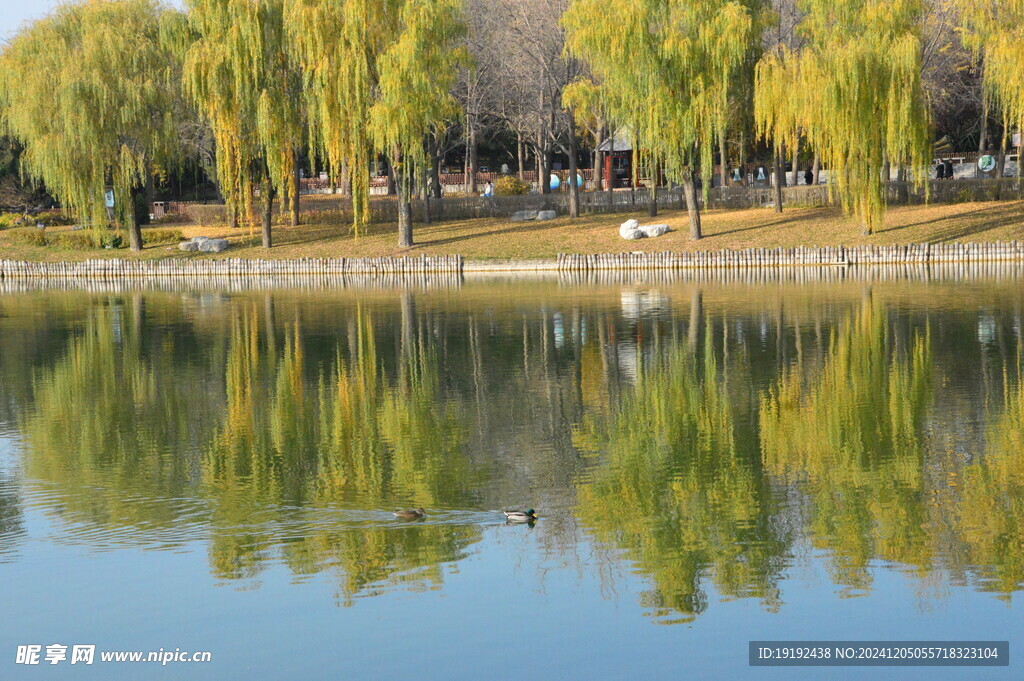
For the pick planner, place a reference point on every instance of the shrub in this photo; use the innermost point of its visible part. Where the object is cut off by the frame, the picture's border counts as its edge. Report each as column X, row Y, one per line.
column 51, row 218
column 509, row 185
column 161, row 236
column 8, row 220
column 47, row 219
column 72, row 241
column 111, row 240
column 27, row 236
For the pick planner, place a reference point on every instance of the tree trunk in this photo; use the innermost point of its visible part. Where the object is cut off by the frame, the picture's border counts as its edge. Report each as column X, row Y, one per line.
column 470, row 155
column 267, row 197
column 796, row 162
column 392, row 182
column 904, row 192
column 404, row 212
column 611, row 168
column 1001, row 161
column 652, row 200
column 545, row 178
column 598, row 174
column 426, row 197
column 436, row 189
column 540, row 168
column 983, row 134
column 128, row 211
column 521, row 156
column 574, row 190
column 296, row 186
column 780, row 176
column 743, row 156
column 816, row 169
column 345, row 180
column 692, row 207
column 723, row 173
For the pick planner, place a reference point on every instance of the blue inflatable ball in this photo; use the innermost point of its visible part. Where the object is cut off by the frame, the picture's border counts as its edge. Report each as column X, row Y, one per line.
column 555, row 182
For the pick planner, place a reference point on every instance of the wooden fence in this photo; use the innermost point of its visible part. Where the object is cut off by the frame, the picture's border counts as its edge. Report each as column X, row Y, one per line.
column 116, row 268
column 925, row 253
column 812, row 274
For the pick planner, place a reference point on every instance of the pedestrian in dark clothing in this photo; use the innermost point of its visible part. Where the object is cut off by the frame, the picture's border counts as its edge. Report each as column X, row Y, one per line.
column 940, row 170
column 808, row 176
column 949, row 169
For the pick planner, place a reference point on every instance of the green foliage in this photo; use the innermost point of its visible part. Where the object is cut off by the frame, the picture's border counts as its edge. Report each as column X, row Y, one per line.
column 378, row 75
column 27, row 236
column 163, row 236
column 8, row 220
column 662, row 69
column 72, row 241
column 995, row 31
column 89, row 91
column 238, row 70
column 510, row 185
column 47, row 219
column 856, row 93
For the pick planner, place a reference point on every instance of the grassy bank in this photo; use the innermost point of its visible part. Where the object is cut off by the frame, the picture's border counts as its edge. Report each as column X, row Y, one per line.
column 503, row 239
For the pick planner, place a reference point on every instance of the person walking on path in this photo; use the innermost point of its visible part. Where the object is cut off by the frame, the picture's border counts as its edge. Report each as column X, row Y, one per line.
column 940, row 170
column 949, row 169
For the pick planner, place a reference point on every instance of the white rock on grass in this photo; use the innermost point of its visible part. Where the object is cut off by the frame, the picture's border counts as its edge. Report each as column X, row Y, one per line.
column 653, row 230
column 546, row 215
column 189, row 246
column 629, row 230
column 522, row 215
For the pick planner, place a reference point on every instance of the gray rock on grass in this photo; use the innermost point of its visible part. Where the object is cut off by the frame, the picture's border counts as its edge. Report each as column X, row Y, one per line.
column 213, row 245
column 546, row 215
column 651, row 231
column 204, row 244
column 523, row 215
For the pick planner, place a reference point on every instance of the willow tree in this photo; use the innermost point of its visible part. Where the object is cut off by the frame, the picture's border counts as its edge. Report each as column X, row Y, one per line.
column 662, row 68
column 378, row 75
column 995, row 31
column 856, row 92
column 89, row 91
column 238, row 72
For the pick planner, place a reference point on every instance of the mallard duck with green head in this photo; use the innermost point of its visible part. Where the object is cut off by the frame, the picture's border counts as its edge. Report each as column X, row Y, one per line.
column 410, row 514
column 527, row 516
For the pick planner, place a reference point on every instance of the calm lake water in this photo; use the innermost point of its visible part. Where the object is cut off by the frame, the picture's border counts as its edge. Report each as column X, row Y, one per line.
column 714, row 460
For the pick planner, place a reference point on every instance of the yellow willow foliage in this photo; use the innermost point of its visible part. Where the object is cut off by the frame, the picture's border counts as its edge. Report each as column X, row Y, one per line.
column 994, row 29
column 377, row 77
column 851, row 438
column 673, row 487
column 237, row 69
column 89, row 91
column 663, row 69
column 131, row 426
column 781, row 107
column 856, row 92
column 991, row 517
column 417, row 72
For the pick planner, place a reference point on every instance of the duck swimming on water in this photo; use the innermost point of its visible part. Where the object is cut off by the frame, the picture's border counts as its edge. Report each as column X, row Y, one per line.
column 529, row 515
column 410, row 514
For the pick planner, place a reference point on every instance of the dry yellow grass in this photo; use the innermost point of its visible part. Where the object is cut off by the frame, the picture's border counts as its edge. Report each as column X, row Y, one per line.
column 503, row 239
